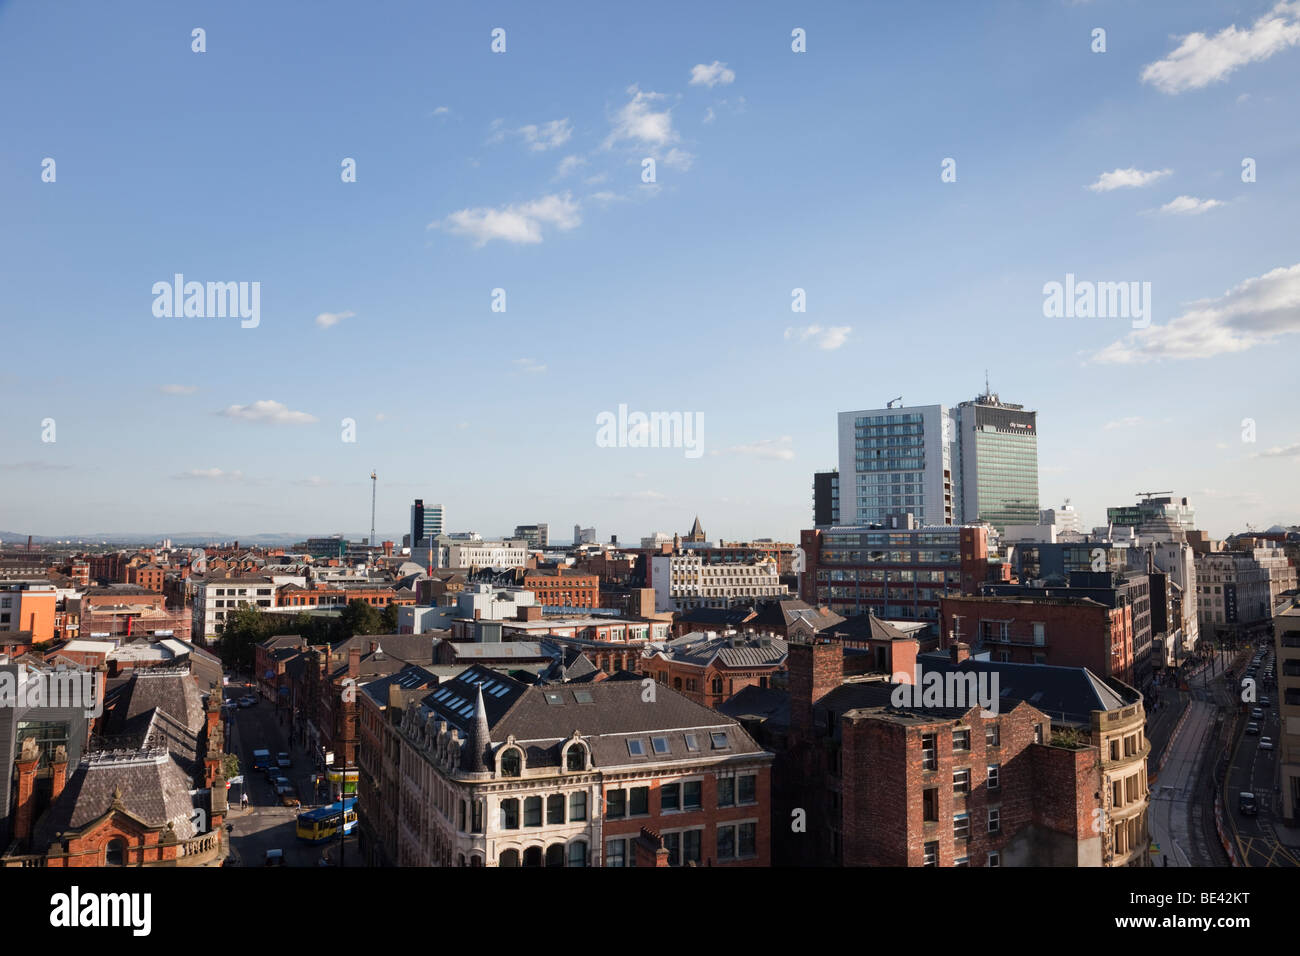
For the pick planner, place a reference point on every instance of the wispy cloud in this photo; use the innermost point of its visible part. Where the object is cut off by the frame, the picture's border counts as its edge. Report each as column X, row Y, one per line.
column 178, row 389
column 441, row 111
column 1200, row 60
column 528, row 365
column 519, row 223
column 1284, row 451
column 1127, row 178
column 547, row 136
column 1189, row 206
column 679, row 159
column 327, row 319
column 210, row 474
column 1256, row 312
column 825, row 338
column 711, row 74
column 267, row 412
column 773, row 449
column 569, row 164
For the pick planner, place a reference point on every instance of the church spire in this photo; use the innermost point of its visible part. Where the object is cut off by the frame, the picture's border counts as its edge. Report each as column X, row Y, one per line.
column 473, row 756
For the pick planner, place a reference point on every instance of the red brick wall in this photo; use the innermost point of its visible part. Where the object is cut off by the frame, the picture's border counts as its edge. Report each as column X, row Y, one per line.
column 1076, row 635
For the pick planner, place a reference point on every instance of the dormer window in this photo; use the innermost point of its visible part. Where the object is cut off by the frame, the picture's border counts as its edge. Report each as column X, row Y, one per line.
column 576, row 758
column 511, row 763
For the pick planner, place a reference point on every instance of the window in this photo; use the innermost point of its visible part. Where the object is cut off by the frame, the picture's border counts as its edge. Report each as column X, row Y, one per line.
column 1038, row 733
column 636, row 748
column 746, row 839
column 510, row 763
column 639, row 805
column 616, row 803
column 691, row 843
column 660, row 745
column 726, row 792
column 961, row 739
column 577, row 807
column 692, row 743
column 995, row 773
column 692, row 798
column 555, row 854
column 747, row 789
column 726, row 843
column 577, row 758
column 961, row 826
column 509, row 858
column 993, row 735
column 510, row 815
column 930, row 804
column 476, row 817
column 961, row 781
column 670, row 797
column 115, row 853
column 995, row 820
column 719, row 740
column 578, row 853
column 461, row 826
column 961, row 861
column 929, row 755
column 616, row 853
column 555, row 808
column 930, row 854
column 995, row 858
column 717, row 685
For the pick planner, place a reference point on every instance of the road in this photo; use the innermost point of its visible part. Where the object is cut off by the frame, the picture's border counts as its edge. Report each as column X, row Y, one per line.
column 266, row 824
column 1178, row 789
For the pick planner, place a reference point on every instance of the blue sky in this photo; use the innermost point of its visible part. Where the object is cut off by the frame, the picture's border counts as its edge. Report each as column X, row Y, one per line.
column 522, row 171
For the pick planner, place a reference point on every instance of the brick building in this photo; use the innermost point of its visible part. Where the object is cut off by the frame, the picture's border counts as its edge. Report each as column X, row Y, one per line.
column 709, row 668
column 562, row 587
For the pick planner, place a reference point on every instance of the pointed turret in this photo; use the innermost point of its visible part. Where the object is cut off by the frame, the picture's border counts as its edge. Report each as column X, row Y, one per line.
column 473, row 755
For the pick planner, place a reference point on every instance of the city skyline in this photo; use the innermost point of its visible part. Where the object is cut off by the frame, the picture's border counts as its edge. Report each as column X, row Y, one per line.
column 487, row 180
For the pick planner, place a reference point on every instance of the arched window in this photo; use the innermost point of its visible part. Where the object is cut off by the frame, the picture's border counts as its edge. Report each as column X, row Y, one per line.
column 115, row 853
column 509, row 858
column 555, row 854
column 475, row 861
column 576, row 758
column 460, row 859
column 717, row 685
column 511, row 765
column 533, row 856
column 578, row 853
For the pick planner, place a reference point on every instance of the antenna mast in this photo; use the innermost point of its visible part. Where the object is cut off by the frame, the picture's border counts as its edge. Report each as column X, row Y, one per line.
column 373, row 479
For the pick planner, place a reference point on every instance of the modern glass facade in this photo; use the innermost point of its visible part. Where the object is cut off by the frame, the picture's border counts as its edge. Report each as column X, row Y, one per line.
column 896, row 461
column 998, row 450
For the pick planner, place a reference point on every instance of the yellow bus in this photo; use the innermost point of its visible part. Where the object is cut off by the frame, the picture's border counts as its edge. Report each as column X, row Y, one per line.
column 321, row 824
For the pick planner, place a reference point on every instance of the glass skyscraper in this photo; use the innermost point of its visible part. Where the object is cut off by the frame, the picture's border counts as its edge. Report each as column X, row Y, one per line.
column 997, row 446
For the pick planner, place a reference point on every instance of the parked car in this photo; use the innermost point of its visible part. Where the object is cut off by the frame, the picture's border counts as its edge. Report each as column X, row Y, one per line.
column 1265, row 702
column 1247, row 804
column 1257, row 713
column 1252, row 729
column 1265, row 743
column 283, row 759
column 278, row 781
column 247, row 701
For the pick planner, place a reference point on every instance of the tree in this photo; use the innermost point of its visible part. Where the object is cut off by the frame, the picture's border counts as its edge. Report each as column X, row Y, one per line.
column 388, row 620
column 360, row 618
column 230, row 766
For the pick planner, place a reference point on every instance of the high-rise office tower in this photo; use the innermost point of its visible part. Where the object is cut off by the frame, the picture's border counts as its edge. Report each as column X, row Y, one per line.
column 426, row 522
column 997, row 462
column 826, row 499
column 894, row 460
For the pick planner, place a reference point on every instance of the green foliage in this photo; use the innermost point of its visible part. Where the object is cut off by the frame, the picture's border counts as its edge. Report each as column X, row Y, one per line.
column 361, row 618
column 388, row 620
column 249, row 626
column 230, row 766
column 1067, row 737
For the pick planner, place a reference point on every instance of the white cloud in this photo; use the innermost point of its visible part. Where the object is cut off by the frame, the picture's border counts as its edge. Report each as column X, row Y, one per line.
column 1121, row 178
column 1189, row 205
column 569, row 164
column 679, row 159
column 178, row 389
column 825, row 338
column 521, row 222
column 1129, row 422
column 712, row 74
column 441, row 111
column 528, row 365
column 1253, row 313
column 269, row 412
column 640, row 123
column 1285, row 451
column 547, row 136
column 327, row 319
column 1200, row 60
column 709, row 116
column 773, row 449
column 606, row 196
column 210, row 474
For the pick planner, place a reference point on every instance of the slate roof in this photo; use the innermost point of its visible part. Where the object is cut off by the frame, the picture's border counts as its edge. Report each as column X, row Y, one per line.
column 167, row 688
column 153, row 788
column 606, row 714
column 701, row 650
column 867, row 626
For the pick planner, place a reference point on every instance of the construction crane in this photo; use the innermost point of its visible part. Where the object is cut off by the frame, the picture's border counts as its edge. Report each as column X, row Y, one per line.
column 373, row 479
column 899, row 400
